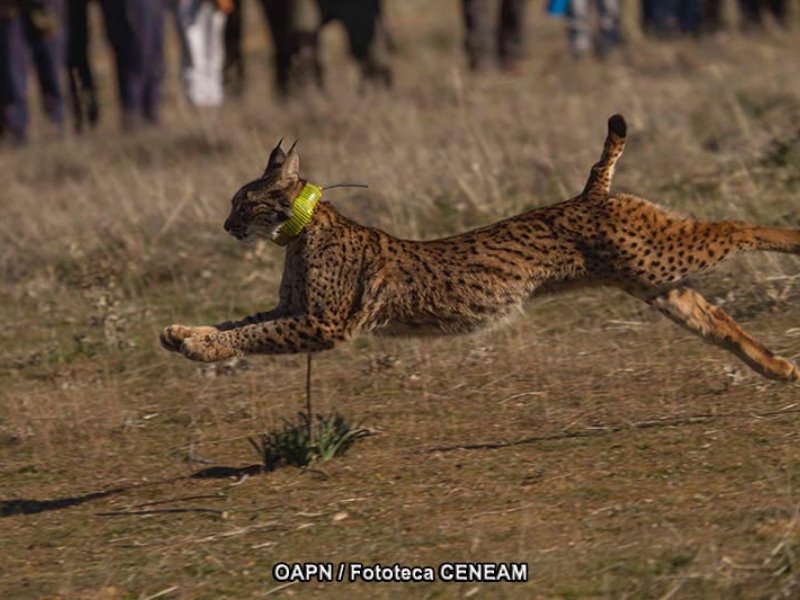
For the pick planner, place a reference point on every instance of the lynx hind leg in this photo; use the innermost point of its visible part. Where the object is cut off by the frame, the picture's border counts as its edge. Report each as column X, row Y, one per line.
column 688, row 308
column 173, row 336
column 599, row 182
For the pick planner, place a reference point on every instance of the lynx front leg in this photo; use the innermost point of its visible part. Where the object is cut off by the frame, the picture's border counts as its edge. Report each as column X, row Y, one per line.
column 173, row 336
column 688, row 308
column 288, row 335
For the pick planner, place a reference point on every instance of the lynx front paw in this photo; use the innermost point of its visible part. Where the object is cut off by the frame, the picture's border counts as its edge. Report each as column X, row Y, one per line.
column 207, row 348
column 173, row 336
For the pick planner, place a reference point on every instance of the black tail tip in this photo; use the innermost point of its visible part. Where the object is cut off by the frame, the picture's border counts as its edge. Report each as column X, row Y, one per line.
column 617, row 126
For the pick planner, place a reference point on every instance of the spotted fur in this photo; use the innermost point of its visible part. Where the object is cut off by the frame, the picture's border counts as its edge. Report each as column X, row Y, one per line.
column 343, row 279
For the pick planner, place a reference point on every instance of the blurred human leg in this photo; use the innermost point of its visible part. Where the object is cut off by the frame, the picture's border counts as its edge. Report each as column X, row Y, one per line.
column 362, row 20
column 750, row 12
column 665, row 17
column 201, row 25
column 150, row 28
column 711, row 19
column 689, row 12
column 47, row 43
column 215, row 53
column 479, row 41
column 83, row 96
column 578, row 28
column 14, row 64
column 234, row 58
column 779, row 10
column 608, row 26
column 120, row 36
column 277, row 13
column 511, row 33
column 648, row 20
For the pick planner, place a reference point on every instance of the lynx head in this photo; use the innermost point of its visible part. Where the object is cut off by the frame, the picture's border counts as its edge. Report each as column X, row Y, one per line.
column 261, row 207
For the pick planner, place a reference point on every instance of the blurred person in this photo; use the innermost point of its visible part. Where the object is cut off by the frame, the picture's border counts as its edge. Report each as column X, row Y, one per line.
column 296, row 27
column 367, row 35
column 689, row 15
column 30, row 30
column 83, row 95
column 201, row 28
column 668, row 18
column 494, row 30
column 233, row 71
column 608, row 28
column 711, row 19
column 646, row 16
column 134, row 29
column 143, row 30
column 753, row 11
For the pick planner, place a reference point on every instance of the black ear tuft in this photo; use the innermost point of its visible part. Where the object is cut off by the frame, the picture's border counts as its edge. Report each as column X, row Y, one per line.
column 617, row 126
column 276, row 157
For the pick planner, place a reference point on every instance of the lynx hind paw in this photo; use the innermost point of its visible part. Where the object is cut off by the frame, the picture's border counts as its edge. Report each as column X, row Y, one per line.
column 784, row 370
column 173, row 336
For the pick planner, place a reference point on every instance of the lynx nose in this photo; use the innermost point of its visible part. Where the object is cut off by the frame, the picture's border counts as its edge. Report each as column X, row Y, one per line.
column 231, row 228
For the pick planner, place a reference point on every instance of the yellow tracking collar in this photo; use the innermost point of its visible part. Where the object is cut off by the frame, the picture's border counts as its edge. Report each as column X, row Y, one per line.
column 302, row 211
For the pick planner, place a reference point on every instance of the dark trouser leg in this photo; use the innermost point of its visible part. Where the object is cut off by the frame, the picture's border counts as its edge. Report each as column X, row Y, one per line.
column 305, row 22
column 608, row 25
column 779, row 11
column 712, row 16
column 480, row 39
column 647, row 16
column 277, row 14
column 47, row 50
column 751, row 13
column 83, row 97
column 14, row 63
column 689, row 15
column 234, row 58
column 362, row 21
column 147, row 70
column 665, row 16
column 135, row 29
column 153, row 56
column 120, row 36
column 511, row 32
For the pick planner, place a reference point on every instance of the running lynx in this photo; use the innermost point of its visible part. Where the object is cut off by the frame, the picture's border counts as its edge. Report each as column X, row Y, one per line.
column 342, row 279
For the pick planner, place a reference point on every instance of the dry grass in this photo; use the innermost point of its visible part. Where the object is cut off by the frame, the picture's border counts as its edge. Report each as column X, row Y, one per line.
column 106, row 239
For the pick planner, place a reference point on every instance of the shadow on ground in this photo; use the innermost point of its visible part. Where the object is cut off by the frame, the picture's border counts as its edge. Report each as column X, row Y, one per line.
column 28, row 506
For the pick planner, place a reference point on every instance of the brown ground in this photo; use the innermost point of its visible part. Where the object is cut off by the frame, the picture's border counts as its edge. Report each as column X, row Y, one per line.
column 630, row 459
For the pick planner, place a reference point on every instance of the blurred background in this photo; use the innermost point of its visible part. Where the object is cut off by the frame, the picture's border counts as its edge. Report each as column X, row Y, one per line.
column 127, row 126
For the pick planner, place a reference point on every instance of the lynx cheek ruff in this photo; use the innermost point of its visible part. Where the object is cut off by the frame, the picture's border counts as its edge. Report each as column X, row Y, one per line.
column 302, row 211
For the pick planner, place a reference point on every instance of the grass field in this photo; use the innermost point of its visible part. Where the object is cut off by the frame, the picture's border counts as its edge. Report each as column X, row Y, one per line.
column 610, row 450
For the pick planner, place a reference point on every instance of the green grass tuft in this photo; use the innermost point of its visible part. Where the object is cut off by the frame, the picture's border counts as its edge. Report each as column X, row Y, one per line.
column 294, row 444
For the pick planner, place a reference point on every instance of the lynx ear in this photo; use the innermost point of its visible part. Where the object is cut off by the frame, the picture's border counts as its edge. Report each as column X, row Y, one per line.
column 276, row 158
column 290, row 169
